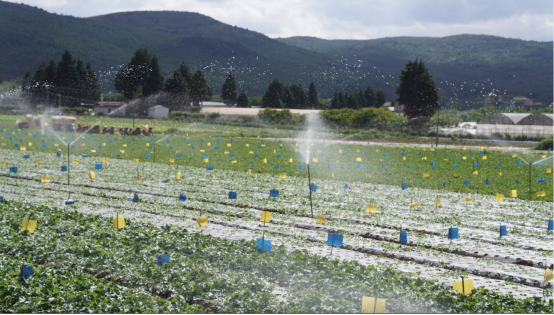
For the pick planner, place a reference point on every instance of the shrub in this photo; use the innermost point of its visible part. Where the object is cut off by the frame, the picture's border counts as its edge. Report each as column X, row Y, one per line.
column 544, row 144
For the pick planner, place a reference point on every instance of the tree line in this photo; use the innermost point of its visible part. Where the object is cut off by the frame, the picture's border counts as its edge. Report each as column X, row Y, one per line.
column 358, row 99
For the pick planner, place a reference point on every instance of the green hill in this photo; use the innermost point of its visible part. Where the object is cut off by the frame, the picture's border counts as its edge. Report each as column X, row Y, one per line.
column 517, row 66
column 30, row 35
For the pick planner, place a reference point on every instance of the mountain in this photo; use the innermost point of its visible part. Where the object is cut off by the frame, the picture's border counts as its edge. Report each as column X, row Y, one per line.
column 467, row 65
column 30, row 35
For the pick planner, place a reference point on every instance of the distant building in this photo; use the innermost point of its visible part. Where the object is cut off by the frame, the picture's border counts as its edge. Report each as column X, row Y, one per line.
column 106, row 108
column 158, row 111
column 510, row 102
column 531, row 125
column 398, row 108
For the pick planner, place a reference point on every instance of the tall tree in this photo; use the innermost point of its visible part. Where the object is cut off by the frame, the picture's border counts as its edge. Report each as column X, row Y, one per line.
column 242, row 99
column 370, row 97
column 418, row 92
column 154, row 81
column 229, row 90
column 342, row 101
column 313, row 101
column 273, row 96
column 298, row 95
column 178, row 88
column 142, row 71
column 200, row 89
column 335, row 101
column 380, row 98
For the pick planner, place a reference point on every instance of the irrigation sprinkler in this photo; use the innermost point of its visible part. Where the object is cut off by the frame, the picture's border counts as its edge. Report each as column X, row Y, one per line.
column 310, row 188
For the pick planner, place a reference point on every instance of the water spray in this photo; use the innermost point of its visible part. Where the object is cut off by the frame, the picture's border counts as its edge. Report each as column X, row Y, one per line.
column 310, row 188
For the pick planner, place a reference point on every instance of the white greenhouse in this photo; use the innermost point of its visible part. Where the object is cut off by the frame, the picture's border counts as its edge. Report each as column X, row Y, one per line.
column 530, row 125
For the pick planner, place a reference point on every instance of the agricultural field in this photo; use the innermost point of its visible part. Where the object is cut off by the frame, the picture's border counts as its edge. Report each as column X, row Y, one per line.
column 166, row 185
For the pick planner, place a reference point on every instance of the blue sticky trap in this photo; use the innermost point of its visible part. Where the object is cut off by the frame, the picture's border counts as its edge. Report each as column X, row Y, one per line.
column 334, row 239
column 550, row 225
column 313, row 187
column 251, row 167
column 260, row 146
column 488, row 182
column 149, row 147
column 88, row 142
column 278, row 156
column 470, row 152
column 280, row 147
column 216, row 147
column 97, row 167
column 232, row 195
column 64, row 168
column 117, row 155
column 263, row 245
column 42, row 141
column 255, row 155
column 205, row 155
column 1, row 197
column 432, row 145
column 403, row 237
column 360, row 166
column 276, row 167
column 26, row 156
column 532, row 150
column 209, row 168
column 232, row 141
column 517, row 181
column 147, row 155
column 58, row 154
column 456, row 165
column 433, row 164
column 101, row 147
column 26, row 272
column 409, row 166
column 135, row 198
column 482, row 152
column 179, row 155
column 20, row 141
column 44, row 145
column 301, row 156
column 17, row 145
column 443, row 183
column 232, row 156
column 385, row 154
column 404, row 186
column 518, row 163
column 345, row 186
column 330, row 166
column 84, row 156
column 168, row 141
column 452, row 233
column 301, row 166
column 182, row 197
column 466, row 183
column 477, row 163
column 162, row 259
column 503, row 231
column 69, row 202
column 263, row 141
column 350, row 147
column 274, row 193
column 403, row 154
column 499, row 164
column 539, row 163
column 13, row 169
column 542, row 179
column 73, row 146
column 170, row 147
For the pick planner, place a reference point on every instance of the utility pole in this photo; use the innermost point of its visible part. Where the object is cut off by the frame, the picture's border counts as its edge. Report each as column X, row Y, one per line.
column 438, row 118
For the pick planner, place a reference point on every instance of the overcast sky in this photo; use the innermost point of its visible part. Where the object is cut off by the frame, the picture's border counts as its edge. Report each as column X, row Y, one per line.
column 347, row 19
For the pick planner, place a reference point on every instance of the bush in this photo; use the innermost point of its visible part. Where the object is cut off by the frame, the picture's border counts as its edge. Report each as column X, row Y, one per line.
column 213, row 116
column 544, row 144
column 283, row 116
column 360, row 118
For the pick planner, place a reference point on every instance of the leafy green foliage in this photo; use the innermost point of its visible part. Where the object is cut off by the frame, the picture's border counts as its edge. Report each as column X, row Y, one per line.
column 362, row 118
column 229, row 90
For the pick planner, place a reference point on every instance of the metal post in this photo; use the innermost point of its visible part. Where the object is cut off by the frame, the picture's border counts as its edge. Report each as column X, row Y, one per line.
column 463, row 286
column 68, row 187
column 310, row 188
column 530, row 181
column 437, row 141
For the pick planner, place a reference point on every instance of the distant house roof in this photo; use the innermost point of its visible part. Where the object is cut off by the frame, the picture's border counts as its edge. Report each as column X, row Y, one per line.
column 502, row 119
column 109, row 104
column 520, row 98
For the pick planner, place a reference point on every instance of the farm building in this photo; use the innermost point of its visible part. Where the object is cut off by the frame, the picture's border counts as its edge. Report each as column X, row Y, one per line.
column 158, row 111
column 106, row 108
column 531, row 125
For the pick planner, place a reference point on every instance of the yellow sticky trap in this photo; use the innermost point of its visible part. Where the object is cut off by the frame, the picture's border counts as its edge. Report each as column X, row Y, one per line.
column 369, row 208
column 340, row 150
column 171, row 161
column 475, row 172
column 513, row 156
column 468, row 200
column 499, row 198
column 437, row 202
column 266, row 216
column 76, row 162
column 291, row 160
column 83, row 145
column 367, row 175
column 135, row 161
column 264, row 161
column 39, row 161
column 320, row 219
column 178, row 175
column 549, row 170
column 377, row 150
column 432, row 150
column 138, row 176
column 357, row 150
column 274, row 152
column 125, row 145
column 424, row 158
column 358, row 159
column 202, row 151
column 247, row 145
column 250, row 152
column 541, row 194
column 513, row 193
column 464, row 148
column 30, row 144
column 547, row 275
column 55, row 144
column 209, row 144
column 23, row 149
column 332, row 175
column 205, row 160
column 105, row 160
column 543, row 156
column 45, row 179
column 234, row 162
column 369, row 307
column 413, row 205
column 201, row 220
column 466, row 287
column 404, row 158
column 484, row 157
column 4, row 163
column 28, row 225
column 119, row 222
column 425, row 174
column 228, row 144
column 500, row 174
column 464, row 158
column 315, row 160
column 283, row 175
column 249, row 172
column 91, row 175
column 226, row 152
